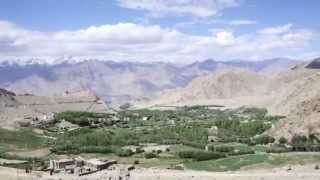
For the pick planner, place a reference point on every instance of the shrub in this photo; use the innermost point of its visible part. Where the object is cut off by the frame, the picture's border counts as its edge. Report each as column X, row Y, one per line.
column 80, row 118
column 150, row 155
column 223, row 148
column 244, row 152
column 136, row 162
column 283, row 140
column 193, row 144
column 244, row 140
column 299, row 140
column 124, row 152
column 139, row 150
column 264, row 139
column 74, row 149
column 278, row 149
column 200, row 155
column 300, row 143
column 65, row 148
column 16, row 157
column 314, row 148
column 95, row 149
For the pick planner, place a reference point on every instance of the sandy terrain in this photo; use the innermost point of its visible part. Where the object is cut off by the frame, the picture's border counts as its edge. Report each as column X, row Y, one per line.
column 306, row 172
column 23, row 108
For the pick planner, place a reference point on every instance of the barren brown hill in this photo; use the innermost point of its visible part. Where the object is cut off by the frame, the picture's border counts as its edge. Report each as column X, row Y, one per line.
column 7, row 99
column 226, row 84
column 294, row 93
column 25, row 108
column 303, row 120
column 116, row 82
column 302, row 104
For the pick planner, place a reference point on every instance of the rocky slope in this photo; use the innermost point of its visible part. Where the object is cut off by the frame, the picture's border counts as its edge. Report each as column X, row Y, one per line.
column 304, row 119
column 302, row 103
column 116, row 82
column 225, row 84
column 294, row 93
column 7, row 99
column 17, row 109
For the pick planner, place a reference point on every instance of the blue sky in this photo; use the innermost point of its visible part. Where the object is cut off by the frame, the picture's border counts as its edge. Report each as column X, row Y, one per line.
column 159, row 30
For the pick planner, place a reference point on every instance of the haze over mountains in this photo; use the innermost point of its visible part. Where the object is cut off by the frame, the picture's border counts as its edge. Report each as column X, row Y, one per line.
column 117, row 82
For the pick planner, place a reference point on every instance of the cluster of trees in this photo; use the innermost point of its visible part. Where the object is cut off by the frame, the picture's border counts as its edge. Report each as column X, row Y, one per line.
column 190, row 129
column 263, row 140
column 256, row 113
column 233, row 128
column 97, row 138
column 83, row 118
column 304, row 143
column 278, row 149
column 77, row 149
column 229, row 150
column 200, row 155
column 221, row 148
column 299, row 143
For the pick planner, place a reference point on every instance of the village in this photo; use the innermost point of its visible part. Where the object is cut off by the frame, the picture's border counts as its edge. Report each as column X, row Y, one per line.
column 76, row 136
column 81, row 167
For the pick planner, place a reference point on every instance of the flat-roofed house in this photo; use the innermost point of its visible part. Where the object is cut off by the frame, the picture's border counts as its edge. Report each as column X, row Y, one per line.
column 96, row 164
column 61, row 164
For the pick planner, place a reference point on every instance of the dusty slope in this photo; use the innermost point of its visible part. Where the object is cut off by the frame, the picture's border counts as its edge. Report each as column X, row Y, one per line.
column 27, row 107
column 303, row 120
column 7, row 99
column 280, row 92
column 226, row 84
column 294, row 93
column 223, row 85
column 116, row 82
column 303, row 104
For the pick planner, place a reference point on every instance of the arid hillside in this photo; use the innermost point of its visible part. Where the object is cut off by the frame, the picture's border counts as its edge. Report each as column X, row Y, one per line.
column 7, row 99
column 222, row 85
column 15, row 109
column 117, row 82
column 302, row 104
column 294, row 93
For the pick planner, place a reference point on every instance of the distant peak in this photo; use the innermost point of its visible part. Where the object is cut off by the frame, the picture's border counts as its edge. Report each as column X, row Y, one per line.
column 314, row 64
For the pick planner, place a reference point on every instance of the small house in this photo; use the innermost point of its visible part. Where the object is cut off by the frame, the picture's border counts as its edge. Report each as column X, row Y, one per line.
column 61, row 164
column 96, row 164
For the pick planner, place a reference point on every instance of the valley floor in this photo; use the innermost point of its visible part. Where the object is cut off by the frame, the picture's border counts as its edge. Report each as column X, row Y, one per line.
column 298, row 172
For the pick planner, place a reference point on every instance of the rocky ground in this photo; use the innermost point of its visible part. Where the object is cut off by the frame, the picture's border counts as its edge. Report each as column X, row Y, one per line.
column 296, row 172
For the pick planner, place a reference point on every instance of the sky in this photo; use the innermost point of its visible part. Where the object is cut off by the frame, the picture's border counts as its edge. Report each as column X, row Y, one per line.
column 159, row 30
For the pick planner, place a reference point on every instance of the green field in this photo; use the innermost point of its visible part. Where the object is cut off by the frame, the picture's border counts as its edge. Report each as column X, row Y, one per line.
column 183, row 132
column 254, row 160
column 21, row 139
column 229, row 163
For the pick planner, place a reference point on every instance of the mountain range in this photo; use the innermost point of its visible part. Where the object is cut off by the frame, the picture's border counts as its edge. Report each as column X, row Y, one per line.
column 293, row 93
column 117, row 82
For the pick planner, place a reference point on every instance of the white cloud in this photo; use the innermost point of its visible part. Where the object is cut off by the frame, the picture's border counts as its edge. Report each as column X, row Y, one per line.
column 277, row 30
column 197, row 8
column 242, row 22
column 129, row 41
column 196, row 22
